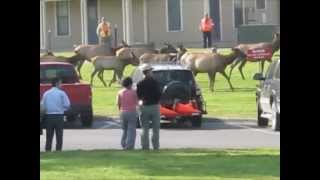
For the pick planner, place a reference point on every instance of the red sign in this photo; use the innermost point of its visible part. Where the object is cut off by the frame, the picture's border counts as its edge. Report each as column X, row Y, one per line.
column 259, row 53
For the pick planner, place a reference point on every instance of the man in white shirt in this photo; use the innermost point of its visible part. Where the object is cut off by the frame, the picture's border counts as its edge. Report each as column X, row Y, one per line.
column 55, row 102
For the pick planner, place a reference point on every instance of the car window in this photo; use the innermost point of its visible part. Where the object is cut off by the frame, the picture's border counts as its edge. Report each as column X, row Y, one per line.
column 277, row 75
column 67, row 74
column 270, row 71
column 164, row 77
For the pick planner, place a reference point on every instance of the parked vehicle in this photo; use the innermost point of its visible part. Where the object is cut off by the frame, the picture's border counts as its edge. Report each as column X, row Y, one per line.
column 181, row 98
column 79, row 93
column 268, row 96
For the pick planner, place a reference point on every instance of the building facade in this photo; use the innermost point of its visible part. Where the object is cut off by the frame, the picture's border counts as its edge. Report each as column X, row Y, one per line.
column 65, row 23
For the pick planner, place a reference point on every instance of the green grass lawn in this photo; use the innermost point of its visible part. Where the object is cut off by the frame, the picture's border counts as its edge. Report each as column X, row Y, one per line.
column 191, row 164
column 222, row 103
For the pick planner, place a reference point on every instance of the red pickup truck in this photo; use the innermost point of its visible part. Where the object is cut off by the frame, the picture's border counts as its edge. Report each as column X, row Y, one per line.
column 79, row 93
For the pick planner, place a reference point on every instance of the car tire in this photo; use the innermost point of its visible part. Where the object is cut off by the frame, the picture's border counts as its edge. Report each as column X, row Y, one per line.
column 71, row 117
column 275, row 118
column 86, row 118
column 262, row 122
column 196, row 121
column 200, row 104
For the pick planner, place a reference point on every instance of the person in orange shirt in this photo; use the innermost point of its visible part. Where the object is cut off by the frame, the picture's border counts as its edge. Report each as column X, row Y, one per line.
column 206, row 26
column 104, row 33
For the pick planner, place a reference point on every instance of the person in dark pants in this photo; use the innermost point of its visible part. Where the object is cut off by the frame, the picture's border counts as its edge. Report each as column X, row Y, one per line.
column 148, row 90
column 206, row 26
column 42, row 111
column 55, row 102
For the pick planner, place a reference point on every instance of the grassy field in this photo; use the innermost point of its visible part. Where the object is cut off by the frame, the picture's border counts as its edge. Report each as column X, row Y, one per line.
column 186, row 164
column 222, row 103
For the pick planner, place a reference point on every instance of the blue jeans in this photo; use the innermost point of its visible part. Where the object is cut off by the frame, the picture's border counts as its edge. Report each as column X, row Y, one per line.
column 129, row 123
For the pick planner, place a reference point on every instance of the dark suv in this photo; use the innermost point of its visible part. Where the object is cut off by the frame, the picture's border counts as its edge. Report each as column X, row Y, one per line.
column 181, row 98
column 268, row 96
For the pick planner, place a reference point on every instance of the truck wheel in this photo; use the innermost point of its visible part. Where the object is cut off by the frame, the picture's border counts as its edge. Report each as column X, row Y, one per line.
column 275, row 118
column 86, row 118
column 71, row 117
column 262, row 122
column 196, row 121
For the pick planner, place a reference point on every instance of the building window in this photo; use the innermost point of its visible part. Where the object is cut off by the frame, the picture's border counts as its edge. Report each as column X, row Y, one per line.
column 62, row 13
column 261, row 4
column 238, row 13
column 174, row 15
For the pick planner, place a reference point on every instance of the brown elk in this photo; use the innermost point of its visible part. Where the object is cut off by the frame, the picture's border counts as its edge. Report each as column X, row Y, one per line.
column 115, row 63
column 210, row 63
column 89, row 51
column 274, row 46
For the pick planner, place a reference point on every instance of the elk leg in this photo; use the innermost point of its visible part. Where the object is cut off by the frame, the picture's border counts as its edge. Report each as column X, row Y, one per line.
column 233, row 65
column 100, row 76
column 240, row 68
column 228, row 79
column 262, row 66
column 212, row 77
column 195, row 74
column 113, row 78
column 92, row 75
column 120, row 74
column 79, row 67
column 117, row 76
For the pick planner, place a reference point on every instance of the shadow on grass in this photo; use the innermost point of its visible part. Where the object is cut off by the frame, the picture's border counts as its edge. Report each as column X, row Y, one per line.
column 168, row 163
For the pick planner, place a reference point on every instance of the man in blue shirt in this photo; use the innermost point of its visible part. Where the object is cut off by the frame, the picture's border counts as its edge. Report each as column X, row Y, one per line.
column 55, row 102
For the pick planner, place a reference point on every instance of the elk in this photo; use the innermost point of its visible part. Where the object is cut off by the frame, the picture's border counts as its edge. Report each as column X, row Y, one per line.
column 274, row 46
column 210, row 63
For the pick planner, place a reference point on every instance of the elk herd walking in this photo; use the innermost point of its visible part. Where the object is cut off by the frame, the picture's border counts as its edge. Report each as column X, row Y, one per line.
column 119, row 57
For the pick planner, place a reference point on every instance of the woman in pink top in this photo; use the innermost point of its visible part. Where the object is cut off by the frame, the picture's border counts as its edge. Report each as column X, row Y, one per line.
column 127, row 101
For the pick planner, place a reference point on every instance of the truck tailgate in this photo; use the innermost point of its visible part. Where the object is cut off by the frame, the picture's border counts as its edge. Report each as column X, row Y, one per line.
column 79, row 94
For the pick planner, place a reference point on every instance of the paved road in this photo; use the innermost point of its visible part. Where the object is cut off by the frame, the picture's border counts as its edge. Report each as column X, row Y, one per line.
column 215, row 133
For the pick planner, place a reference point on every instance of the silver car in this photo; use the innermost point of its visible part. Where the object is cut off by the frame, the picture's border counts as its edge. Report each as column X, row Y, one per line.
column 268, row 96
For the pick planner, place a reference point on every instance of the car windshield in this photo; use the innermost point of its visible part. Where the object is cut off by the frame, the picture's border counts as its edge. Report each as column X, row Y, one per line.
column 164, row 77
column 67, row 74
